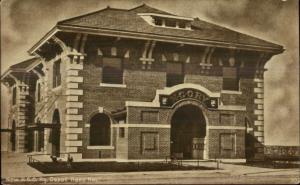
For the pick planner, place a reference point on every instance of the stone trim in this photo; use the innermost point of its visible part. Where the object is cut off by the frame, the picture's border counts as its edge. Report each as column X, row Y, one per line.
column 258, row 90
column 72, row 111
column 73, row 85
column 74, row 66
column 258, row 133
column 71, row 149
column 258, row 122
column 72, row 136
column 100, row 147
column 72, row 123
column 141, row 125
column 72, row 72
column 113, row 85
column 232, row 107
column 214, row 127
column 72, row 98
column 259, row 114
column 75, row 79
column 231, row 92
column 74, row 117
column 74, row 92
column 74, row 104
column 73, row 130
column 73, row 143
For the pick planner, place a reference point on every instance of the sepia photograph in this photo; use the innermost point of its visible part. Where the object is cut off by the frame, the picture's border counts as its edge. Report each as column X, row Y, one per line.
column 150, row 92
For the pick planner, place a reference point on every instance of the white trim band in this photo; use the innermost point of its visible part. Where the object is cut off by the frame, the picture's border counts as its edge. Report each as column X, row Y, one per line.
column 100, row 147
column 231, row 92
column 112, row 85
column 232, row 107
column 141, row 125
column 227, row 127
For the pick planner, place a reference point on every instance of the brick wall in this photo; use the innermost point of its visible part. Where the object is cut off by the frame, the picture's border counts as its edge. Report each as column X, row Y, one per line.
column 135, row 150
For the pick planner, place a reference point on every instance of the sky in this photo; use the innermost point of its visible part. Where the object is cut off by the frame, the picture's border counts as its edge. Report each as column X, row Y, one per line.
column 24, row 22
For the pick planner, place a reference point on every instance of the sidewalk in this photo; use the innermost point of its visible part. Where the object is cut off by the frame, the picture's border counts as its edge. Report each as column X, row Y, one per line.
column 14, row 165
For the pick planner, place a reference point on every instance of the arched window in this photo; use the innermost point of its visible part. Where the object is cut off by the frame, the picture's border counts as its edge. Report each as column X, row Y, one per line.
column 100, row 130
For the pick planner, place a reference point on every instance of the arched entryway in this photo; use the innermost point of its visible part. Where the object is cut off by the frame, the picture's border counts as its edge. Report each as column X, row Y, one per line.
column 100, row 130
column 55, row 134
column 13, row 136
column 188, row 130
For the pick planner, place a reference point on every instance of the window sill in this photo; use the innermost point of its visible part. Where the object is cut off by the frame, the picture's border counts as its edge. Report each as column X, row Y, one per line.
column 113, row 85
column 231, row 92
column 101, row 147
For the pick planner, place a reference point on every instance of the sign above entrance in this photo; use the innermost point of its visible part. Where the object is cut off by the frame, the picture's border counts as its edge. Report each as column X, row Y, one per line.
column 188, row 93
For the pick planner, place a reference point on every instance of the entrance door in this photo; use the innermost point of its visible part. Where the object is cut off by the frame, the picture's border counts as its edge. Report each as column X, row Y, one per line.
column 188, row 130
column 55, row 134
column 13, row 136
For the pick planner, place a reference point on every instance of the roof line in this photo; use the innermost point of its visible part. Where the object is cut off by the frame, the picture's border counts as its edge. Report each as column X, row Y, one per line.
column 232, row 30
column 165, row 38
column 48, row 35
column 167, row 16
column 87, row 14
column 26, row 69
column 34, row 64
column 144, row 4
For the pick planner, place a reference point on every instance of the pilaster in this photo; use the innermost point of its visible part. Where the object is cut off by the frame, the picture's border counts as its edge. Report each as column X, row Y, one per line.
column 259, row 114
column 74, row 105
column 22, row 118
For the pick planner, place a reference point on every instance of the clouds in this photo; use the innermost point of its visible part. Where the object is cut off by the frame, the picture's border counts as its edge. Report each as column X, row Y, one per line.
column 24, row 22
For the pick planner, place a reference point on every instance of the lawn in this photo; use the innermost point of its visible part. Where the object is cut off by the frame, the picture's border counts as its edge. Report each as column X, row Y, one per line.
column 77, row 167
column 274, row 164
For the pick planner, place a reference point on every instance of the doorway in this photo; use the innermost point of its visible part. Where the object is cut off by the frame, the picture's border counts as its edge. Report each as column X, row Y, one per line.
column 55, row 134
column 188, row 130
column 13, row 136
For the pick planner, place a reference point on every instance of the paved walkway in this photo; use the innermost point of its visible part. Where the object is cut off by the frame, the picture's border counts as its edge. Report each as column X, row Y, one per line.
column 14, row 165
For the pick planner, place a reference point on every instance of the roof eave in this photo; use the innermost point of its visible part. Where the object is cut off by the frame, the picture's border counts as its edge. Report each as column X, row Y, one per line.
column 33, row 65
column 45, row 38
column 147, row 36
column 5, row 74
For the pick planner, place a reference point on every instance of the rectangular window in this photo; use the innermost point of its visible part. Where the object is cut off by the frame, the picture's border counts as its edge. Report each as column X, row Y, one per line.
column 230, row 79
column 14, row 96
column 175, row 73
column 158, row 22
column 121, row 132
column 56, row 74
column 149, row 141
column 227, row 141
column 112, row 71
column 181, row 24
column 149, row 116
column 227, row 119
column 170, row 23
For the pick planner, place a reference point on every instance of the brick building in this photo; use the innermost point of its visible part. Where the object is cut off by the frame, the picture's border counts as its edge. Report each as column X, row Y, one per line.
column 140, row 84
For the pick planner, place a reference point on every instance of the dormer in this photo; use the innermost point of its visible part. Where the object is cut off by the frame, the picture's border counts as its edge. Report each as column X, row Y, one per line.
column 167, row 21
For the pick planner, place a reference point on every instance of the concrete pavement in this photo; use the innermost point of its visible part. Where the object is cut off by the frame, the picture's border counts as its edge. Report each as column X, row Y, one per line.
column 14, row 165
